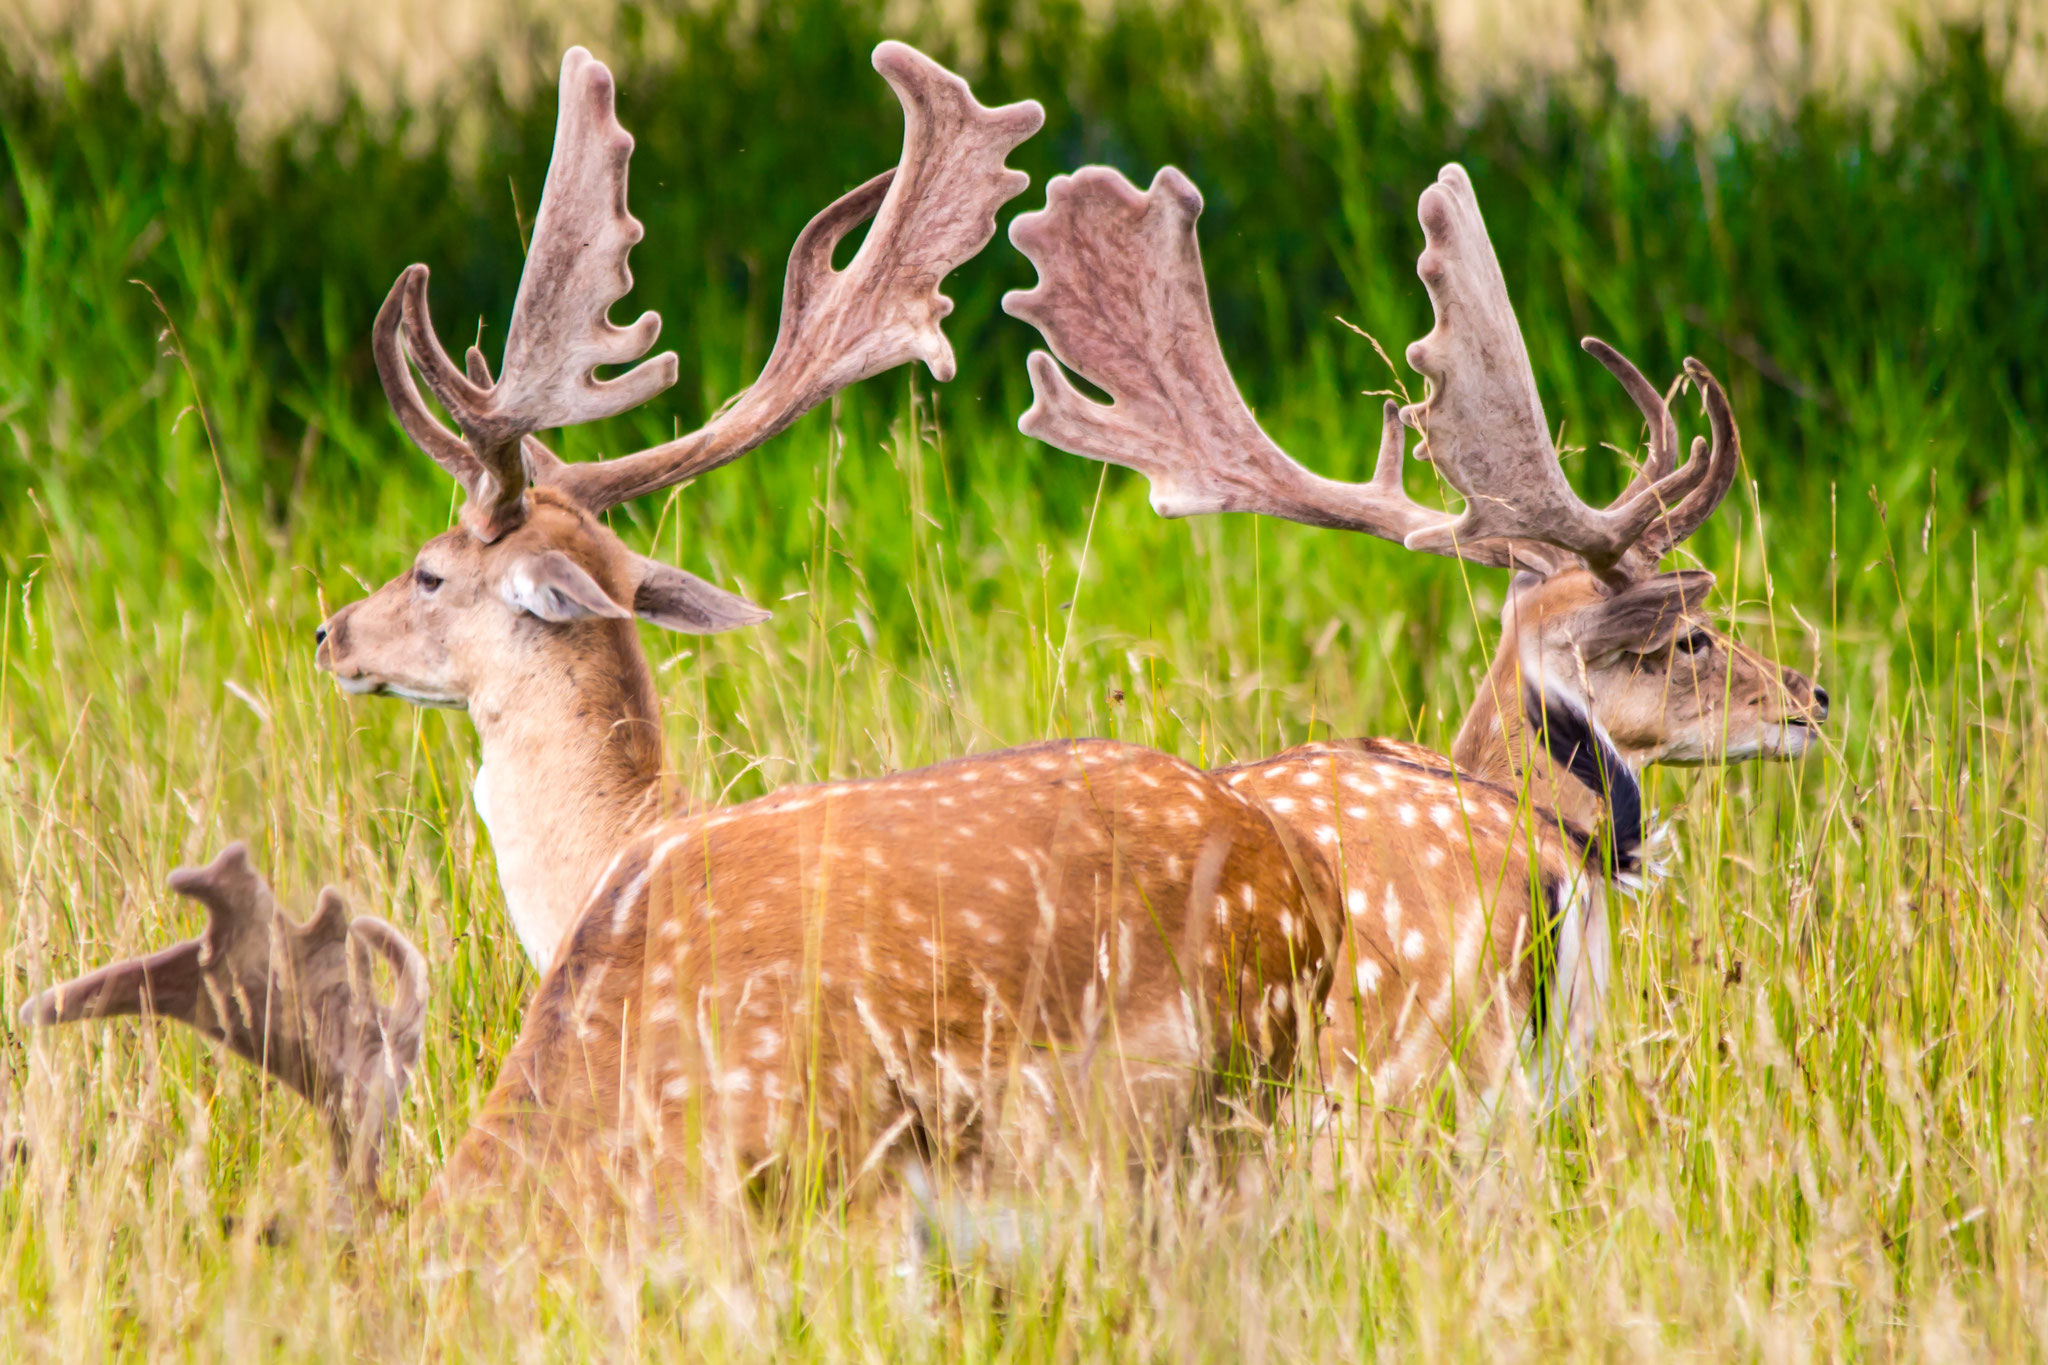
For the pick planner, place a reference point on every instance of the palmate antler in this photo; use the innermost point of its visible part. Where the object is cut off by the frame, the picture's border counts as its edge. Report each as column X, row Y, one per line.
column 561, row 330
column 1483, row 426
column 933, row 212
column 296, row 1000
column 1121, row 300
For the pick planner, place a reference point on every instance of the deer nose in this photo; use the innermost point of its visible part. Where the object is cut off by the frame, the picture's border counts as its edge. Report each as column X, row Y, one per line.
column 320, row 638
column 1820, row 702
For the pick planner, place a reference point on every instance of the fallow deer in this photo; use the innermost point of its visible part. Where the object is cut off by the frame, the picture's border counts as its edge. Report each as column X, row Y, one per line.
column 524, row 614
column 1474, row 930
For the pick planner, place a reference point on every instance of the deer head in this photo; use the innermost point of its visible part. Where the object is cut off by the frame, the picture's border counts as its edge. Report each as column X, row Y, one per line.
column 1122, row 301
column 532, row 576
column 296, row 1000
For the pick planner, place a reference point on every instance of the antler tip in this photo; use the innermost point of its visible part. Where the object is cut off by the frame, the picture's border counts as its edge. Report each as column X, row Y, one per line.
column 905, row 68
column 894, row 54
column 1012, row 182
column 329, row 921
column 1015, row 300
column 578, row 62
column 1446, row 199
column 1050, row 393
column 1436, row 539
column 1049, row 385
column 908, row 69
column 1027, row 230
column 230, row 861
column 1179, row 190
column 1025, row 117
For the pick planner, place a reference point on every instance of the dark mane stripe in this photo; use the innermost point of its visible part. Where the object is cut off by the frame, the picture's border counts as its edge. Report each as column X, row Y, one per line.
column 1582, row 748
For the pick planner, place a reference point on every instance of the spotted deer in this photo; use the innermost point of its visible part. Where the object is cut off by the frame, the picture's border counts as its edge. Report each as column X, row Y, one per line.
column 524, row 614
column 1475, row 893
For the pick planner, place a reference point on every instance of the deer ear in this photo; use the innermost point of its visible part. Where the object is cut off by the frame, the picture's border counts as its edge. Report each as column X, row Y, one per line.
column 1644, row 616
column 555, row 588
column 1519, row 586
column 674, row 600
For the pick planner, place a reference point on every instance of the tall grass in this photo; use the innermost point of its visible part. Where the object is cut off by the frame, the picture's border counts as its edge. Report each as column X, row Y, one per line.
column 1815, row 1129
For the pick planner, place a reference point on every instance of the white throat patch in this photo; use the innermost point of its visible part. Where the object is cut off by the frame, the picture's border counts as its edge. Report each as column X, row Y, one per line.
column 535, row 934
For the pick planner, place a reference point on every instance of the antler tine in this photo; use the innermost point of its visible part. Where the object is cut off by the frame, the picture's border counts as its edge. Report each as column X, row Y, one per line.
column 448, row 450
column 1656, row 410
column 163, row 983
column 1483, row 423
column 170, row 983
column 561, row 330
column 235, row 895
column 1720, row 461
column 408, row 965
column 1122, row 301
column 934, row 211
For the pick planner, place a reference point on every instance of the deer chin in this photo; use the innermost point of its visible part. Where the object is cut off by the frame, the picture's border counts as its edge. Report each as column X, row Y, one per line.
column 378, row 687
column 1772, row 740
column 1788, row 739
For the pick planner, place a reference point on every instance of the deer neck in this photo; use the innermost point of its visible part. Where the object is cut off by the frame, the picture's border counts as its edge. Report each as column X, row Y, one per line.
column 572, row 769
column 1496, row 743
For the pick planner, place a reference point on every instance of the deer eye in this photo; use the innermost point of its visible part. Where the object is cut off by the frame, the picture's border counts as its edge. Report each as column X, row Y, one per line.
column 1699, row 642
column 426, row 579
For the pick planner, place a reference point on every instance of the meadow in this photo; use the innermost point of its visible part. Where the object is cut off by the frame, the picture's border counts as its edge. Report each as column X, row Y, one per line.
column 1819, row 1123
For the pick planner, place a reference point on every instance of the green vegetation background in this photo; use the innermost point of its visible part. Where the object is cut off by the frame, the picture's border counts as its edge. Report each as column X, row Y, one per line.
column 1868, row 285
